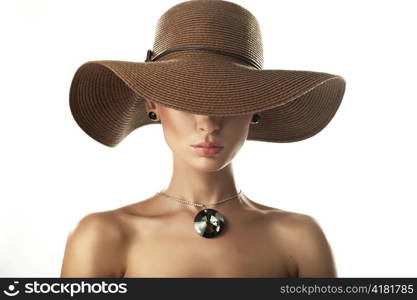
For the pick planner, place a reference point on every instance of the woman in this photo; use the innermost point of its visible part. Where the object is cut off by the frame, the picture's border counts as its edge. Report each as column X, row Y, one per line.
column 209, row 99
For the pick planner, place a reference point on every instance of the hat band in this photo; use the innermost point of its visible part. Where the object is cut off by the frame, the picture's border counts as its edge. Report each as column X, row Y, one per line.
column 149, row 57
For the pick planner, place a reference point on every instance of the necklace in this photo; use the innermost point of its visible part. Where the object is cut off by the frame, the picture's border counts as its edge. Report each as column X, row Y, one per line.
column 208, row 222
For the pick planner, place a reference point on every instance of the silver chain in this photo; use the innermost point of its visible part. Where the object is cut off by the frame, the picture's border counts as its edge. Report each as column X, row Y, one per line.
column 195, row 203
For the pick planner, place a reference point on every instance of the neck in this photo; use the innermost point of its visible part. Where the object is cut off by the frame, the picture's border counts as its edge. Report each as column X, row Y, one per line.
column 206, row 187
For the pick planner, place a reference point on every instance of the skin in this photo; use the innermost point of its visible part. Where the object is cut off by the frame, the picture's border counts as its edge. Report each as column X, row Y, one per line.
column 156, row 238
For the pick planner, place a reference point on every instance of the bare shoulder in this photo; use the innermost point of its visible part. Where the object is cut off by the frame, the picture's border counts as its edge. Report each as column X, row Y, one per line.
column 307, row 244
column 94, row 247
column 296, row 221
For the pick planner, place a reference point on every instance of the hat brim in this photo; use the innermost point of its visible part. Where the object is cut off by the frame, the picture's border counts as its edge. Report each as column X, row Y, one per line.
column 107, row 96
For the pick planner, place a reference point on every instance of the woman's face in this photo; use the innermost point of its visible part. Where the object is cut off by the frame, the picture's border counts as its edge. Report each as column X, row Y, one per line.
column 182, row 130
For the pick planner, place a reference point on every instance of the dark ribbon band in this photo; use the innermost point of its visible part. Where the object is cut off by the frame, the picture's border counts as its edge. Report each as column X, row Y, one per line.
column 149, row 54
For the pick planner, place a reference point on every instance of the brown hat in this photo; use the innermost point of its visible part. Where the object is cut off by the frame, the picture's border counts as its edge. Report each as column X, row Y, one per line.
column 207, row 59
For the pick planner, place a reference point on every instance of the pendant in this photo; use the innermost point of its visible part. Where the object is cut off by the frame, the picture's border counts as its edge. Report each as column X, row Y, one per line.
column 208, row 223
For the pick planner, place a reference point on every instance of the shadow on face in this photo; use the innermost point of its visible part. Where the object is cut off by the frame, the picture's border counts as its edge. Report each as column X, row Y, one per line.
column 183, row 129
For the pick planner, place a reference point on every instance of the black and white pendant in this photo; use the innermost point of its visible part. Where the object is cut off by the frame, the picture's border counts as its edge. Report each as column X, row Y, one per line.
column 208, row 223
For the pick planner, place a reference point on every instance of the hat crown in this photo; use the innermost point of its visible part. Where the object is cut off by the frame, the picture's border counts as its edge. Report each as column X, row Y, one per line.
column 210, row 23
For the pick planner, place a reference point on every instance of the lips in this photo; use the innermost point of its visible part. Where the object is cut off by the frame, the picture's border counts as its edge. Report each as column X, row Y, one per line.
column 207, row 148
column 207, row 151
column 208, row 145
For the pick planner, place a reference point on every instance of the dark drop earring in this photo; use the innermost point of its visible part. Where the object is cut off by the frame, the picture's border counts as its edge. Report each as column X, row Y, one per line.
column 152, row 115
column 255, row 119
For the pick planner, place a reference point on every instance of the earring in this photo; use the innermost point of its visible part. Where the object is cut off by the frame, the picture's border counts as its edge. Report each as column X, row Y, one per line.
column 255, row 119
column 152, row 115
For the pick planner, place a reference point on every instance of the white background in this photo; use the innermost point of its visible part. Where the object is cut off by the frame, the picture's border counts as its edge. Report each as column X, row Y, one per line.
column 355, row 177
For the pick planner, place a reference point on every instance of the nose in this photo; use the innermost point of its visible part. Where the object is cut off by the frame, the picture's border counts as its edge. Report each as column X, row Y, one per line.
column 207, row 123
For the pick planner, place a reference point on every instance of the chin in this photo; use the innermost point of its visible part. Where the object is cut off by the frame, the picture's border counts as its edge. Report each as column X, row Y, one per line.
column 209, row 164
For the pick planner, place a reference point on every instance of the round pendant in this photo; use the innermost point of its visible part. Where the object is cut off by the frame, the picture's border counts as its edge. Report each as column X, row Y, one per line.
column 208, row 223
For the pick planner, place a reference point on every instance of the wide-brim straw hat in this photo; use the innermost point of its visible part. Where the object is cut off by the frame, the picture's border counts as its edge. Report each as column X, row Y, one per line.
column 207, row 59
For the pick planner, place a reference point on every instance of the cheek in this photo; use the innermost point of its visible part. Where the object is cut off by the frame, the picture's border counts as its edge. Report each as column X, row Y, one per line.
column 236, row 135
column 238, row 132
column 175, row 129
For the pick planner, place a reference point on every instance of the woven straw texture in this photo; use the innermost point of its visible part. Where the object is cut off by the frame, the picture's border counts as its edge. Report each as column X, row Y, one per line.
column 107, row 96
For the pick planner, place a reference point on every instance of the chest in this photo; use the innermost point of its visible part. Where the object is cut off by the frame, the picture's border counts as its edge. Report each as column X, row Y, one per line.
column 178, row 251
